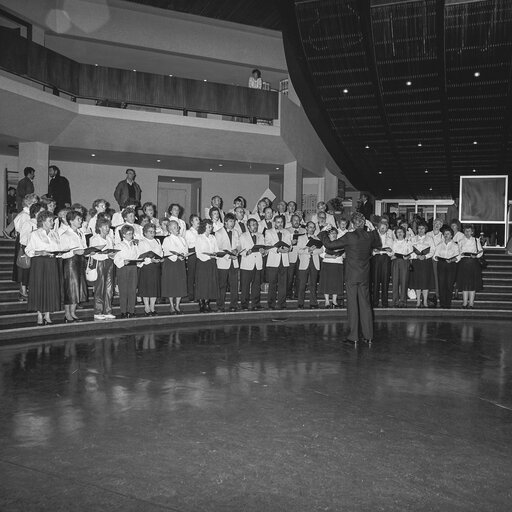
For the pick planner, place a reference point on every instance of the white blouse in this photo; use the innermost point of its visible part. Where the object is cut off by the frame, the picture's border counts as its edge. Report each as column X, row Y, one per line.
column 421, row 243
column 447, row 251
column 98, row 241
column 39, row 240
column 436, row 238
column 146, row 245
column 181, row 224
column 471, row 245
column 401, row 247
column 177, row 244
column 206, row 244
column 457, row 237
column 137, row 232
column 255, row 83
column 191, row 237
column 127, row 251
column 22, row 217
column 26, row 227
column 217, row 225
column 71, row 240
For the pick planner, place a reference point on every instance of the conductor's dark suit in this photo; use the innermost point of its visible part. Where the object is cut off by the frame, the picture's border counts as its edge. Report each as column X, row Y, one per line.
column 358, row 246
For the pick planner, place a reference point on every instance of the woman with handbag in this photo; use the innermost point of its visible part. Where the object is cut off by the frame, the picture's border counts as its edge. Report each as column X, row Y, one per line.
column 422, row 275
column 104, row 267
column 446, row 254
column 469, row 271
column 44, row 282
column 73, row 241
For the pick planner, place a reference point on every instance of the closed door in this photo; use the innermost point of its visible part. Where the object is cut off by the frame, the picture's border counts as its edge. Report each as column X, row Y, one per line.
column 170, row 192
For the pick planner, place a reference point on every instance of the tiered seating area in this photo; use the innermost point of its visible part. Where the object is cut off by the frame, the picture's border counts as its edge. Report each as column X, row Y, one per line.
column 495, row 300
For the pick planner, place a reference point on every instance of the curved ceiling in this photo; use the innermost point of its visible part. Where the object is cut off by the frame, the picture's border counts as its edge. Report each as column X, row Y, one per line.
column 406, row 95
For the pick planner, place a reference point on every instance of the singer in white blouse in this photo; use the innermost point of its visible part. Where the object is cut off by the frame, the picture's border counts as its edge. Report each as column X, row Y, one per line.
column 447, row 255
column 422, row 277
column 469, row 272
column 126, row 262
column 206, row 271
column 191, row 237
column 73, row 241
column 174, row 271
column 401, row 254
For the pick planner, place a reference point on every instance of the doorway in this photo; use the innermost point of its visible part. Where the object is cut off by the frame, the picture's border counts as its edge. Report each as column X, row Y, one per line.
column 184, row 191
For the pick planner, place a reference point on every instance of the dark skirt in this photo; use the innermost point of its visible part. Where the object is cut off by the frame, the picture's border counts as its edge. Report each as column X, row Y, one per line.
column 44, row 285
column 149, row 280
column 22, row 274
column 469, row 275
column 207, row 287
column 422, row 275
column 14, row 266
column 75, row 283
column 174, row 278
column 331, row 279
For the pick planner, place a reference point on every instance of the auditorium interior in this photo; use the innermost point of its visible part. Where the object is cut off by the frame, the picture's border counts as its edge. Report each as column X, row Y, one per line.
column 380, row 381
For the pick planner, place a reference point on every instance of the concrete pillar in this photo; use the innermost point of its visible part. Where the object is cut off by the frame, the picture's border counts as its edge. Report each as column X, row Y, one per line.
column 35, row 154
column 330, row 185
column 292, row 183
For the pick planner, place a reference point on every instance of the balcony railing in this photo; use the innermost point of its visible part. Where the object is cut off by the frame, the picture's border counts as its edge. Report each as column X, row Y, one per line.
column 111, row 85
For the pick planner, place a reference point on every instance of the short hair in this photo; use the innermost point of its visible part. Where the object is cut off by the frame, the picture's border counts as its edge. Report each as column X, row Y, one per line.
column 400, row 228
column 213, row 197
column 241, row 199
column 127, row 212
column 28, row 170
column 229, row 216
column 280, row 217
column 310, row 222
column 251, row 220
column 422, row 224
column 97, row 202
column 202, row 226
column 192, row 217
column 469, row 226
column 268, row 208
column 147, row 204
column 457, row 223
column 321, row 213
column 30, row 199
column 55, row 168
column 104, row 215
column 333, row 230
column 358, row 218
column 296, row 216
column 213, row 209
column 320, row 202
column 72, row 215
column 64, row 211
column 446, row 228
column 43, row 217
column 173, row 205
column 143, row 218
column 130, row 169
column 35, row 209
column 292, row 202
column 46, row 200
column 125, row 229
column 148, row 226
column 343, row 219
column 257, row 71
column 100, row 222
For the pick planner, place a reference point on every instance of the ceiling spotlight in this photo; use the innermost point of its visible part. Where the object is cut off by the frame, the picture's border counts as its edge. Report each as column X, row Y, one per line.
column 93, row 154
column 134, row 70
column 345, row 91
column 205, row 80
column 474, row 170
column 389, row 189
column 158, row 161
column 430, row 189
column 476, row 74
column 426, row 171
column 408, row 83
column 420, row 144
column 277, row 168
column 170, row 75
column 380, row 172
column 220, row 165
column 475, row 142
column 211, row 169
column 175, row 180
column 367, row 147
column 96, row 65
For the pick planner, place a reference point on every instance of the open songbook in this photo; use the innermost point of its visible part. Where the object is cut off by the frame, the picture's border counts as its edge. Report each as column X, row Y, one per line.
column 175, row 253
column 335, row 252
column 313, row 242
column 150, row 254
column 60, row 253
column 221, row 254
column 296, row 235
column 402, row 256
column 134, row 262
column 468, row 254
column 258, row 247
column 448, row 260
column 281, row 244
column 385, row 250
column 424, row 252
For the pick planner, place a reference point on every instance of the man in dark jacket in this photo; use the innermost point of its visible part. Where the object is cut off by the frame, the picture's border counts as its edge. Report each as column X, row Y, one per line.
column 365, row 206
column 358, row 245
column 58, row 188
column 128, row 190
column 25, row 186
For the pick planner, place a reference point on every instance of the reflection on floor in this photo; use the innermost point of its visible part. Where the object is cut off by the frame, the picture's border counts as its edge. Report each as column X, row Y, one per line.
column 263, row 417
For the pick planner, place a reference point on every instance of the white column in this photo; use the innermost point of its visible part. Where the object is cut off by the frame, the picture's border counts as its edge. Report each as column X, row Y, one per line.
column 330, row 185
column 35, row 154
column 292, row 183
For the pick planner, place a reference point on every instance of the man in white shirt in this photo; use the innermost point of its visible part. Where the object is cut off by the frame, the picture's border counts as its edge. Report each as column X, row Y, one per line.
column 251, row 266
column 217, row 202
column 241, row 220
column 267, row 221
column 309, row 266
column 381, row 266
column 277, row 263
column 321, row 207
column 227, row 266
column 297, row 232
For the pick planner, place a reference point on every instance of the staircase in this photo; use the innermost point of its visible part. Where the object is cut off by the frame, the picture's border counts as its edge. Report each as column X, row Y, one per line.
column 496, row 295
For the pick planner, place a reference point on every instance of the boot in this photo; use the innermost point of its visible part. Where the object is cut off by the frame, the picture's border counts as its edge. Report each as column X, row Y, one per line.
column 202, row 306
column 208, row 309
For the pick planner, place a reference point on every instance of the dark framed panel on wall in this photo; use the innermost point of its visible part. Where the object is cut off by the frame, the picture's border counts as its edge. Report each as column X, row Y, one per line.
column 17, row 25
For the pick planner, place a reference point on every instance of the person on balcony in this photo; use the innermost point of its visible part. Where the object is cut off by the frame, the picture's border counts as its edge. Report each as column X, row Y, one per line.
column 128, row 191
column 25, row 186
column 58, row 188
column 255, row 81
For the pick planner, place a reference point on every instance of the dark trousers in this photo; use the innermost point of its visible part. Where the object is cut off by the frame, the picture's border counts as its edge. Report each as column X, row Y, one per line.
column 127, row 278
column 359, row 310
column 293, row 280
column 400, row 275
column 277, row 278
column 191, row 276
column 250, row 283
column 104, row 287
column 381, row 273
column 226, row 276
column 311, row 274
column 446, row 275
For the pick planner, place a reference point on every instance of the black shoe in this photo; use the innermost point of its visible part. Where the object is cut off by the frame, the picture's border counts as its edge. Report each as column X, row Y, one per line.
column 207, row 308
column 271, row 307
column 300, row 306
column 66, row 320
column 367, row 340
column 221, row 310
column 179, row 312
column 154, row 313
column 147, row 313
column 130, row 315
column 202, row 307
column 349, row 341
column 313, row 306
column 122, row 315
column 233, row 309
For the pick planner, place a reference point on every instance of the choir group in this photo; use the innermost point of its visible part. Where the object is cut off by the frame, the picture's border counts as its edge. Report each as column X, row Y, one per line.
column 148, row 259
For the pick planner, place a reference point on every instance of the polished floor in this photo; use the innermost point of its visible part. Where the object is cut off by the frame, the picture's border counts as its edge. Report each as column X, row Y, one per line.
column 261, row 417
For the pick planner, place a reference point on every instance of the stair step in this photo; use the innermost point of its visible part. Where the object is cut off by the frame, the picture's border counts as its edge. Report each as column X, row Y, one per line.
column 8, row 285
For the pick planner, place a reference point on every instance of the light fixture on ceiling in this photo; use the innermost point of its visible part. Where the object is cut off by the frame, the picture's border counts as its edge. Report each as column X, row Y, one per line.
column 430, row 189
column 367, row 147
column 476, row 74
column 345, row 91
column 408, row 83
column 170, row 75
column 158, row 161
column 134, row 70
column 420, row 144
column 475, row 142
column 474, row 170
column 173, row 179
column 96, row 65
column 211, row 169
column 380, row 172
column 205, row 80
column 220, row 165
column 426, row 171
column 93, row 154
column 277, row 168
column 389, row 189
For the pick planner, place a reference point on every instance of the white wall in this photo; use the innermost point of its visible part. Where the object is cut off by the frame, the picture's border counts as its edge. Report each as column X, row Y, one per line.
column 92, row 181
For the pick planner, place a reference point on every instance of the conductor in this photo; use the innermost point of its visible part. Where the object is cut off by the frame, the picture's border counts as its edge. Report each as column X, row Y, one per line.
column 358, row 246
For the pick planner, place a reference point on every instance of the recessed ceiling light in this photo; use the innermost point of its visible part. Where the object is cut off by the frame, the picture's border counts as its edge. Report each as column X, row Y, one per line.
column 367, row 147
column 96, row 65
column 477, row 74
column 170, row 75
column 220, row 165
column 134, row 70
column 277, row 168
column 389, row 189
column 475, row 142
column 93, row 154
column 205, row 80
column 380, row 172
column 211, row 169
column 345, row 91
column 474, row 170
column 430, row 189
column 408, row 83
column 420, row 144
column 158, row 161
column 426, row 171
column 175, row 180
